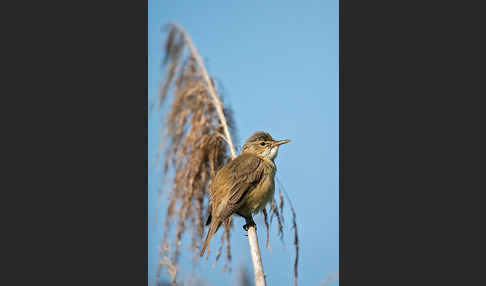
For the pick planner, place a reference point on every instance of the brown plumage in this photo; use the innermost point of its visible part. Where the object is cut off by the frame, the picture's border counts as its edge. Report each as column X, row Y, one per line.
column 245, row 185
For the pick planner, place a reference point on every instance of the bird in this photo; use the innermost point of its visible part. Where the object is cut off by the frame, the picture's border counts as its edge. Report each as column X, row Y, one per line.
column 244, row 185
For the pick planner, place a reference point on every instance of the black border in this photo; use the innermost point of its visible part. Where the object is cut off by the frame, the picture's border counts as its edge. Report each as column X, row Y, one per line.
column 409, row 124
column 81, row 144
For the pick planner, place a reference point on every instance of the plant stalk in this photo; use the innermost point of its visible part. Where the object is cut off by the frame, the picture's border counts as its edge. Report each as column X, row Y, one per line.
column 212, row 92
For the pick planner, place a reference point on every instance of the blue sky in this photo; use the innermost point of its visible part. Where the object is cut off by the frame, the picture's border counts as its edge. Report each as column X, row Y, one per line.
column 278, row 62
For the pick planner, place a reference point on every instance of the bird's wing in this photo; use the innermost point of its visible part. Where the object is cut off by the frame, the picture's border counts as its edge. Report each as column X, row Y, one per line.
column 246, row 172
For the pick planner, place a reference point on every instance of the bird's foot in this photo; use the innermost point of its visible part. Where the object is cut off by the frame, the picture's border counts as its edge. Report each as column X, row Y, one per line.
column 248, row 224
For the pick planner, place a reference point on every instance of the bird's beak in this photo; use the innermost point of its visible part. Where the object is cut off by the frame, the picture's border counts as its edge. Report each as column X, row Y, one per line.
column 281, row 142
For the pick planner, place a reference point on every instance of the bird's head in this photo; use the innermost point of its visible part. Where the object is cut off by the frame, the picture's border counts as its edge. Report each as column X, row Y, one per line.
column 262, row 145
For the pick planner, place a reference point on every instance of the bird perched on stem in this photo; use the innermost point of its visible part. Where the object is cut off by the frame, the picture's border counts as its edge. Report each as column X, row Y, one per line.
column 245, row 185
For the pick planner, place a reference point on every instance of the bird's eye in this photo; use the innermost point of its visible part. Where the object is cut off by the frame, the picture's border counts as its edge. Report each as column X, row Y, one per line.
column 263, row 143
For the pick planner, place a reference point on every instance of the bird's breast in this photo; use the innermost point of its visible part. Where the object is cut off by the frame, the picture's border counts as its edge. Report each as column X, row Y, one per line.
column 261, row 194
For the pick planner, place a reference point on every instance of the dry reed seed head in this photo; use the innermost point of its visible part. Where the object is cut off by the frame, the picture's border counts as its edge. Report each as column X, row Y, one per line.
column 194, row 147
column 265, row 219
column 168, row 263
column 296, row 234
column 218, row 253
column 227, row 231
column 279, row 220
column 174, row 46
column 281, row 204
column 296, row 244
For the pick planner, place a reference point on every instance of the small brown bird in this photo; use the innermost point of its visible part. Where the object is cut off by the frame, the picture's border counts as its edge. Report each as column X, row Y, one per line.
column 245, row 185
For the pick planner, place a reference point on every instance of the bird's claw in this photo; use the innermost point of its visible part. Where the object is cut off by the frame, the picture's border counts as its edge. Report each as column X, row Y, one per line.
column 247, row 226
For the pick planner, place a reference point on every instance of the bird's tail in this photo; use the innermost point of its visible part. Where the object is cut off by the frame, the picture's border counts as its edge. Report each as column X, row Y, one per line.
column 212, row 230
